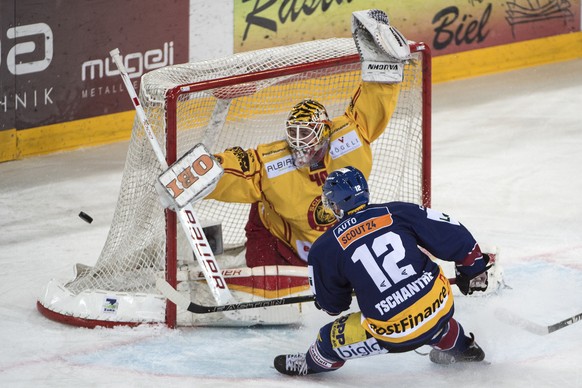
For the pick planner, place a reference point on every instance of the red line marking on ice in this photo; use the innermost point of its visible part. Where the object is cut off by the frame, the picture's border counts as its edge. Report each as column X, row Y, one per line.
column 550, row 257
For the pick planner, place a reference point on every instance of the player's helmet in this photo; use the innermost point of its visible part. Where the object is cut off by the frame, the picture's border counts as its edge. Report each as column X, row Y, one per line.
column 345, row 191
column 308, row 130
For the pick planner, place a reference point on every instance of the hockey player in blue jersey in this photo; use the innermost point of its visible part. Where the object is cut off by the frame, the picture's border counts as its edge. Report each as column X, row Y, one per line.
column 405, row 299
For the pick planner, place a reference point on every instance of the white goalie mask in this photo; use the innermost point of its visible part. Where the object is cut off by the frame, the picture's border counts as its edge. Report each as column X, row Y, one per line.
column 308, row 130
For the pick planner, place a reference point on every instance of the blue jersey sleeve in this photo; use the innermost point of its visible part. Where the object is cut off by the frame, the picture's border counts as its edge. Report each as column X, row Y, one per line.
column 442, row 236
column 332, row 289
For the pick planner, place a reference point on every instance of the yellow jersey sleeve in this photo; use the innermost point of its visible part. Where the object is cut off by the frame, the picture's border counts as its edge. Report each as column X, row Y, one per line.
column 371, row 108
column 241, row 180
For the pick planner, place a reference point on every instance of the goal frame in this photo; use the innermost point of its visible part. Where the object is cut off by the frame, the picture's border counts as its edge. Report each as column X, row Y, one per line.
column 117, row 290
column 170, row 108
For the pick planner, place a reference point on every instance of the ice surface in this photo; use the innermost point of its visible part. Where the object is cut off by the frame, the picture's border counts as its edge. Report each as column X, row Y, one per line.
column 506, row 161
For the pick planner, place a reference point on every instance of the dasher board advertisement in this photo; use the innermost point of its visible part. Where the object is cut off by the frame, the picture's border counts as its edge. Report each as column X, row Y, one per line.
column 54, row 56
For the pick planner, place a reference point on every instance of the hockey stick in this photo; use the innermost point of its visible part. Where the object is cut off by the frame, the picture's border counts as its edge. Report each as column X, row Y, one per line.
column 180, row 300
column 512, row 318
column 186, row 215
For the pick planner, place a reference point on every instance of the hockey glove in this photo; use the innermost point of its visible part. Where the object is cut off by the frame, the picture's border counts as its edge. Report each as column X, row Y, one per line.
column 382, row 48
column 477, row 282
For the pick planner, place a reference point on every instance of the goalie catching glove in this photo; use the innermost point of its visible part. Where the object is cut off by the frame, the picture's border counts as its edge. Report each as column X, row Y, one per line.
column 382, row 48
column 476, row 282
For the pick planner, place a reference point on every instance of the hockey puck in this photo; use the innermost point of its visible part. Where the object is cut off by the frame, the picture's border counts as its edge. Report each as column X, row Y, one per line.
column 86, row 217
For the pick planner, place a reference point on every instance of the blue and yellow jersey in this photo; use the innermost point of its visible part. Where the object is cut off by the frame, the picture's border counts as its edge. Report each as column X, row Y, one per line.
column 290, row 198
column 402, row 293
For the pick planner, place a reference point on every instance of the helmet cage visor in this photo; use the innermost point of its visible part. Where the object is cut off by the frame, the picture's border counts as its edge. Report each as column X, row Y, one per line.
column 302, row 136
column 306, row 140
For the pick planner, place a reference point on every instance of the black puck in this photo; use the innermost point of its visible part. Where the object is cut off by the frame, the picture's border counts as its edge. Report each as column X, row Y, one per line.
column 86, row 217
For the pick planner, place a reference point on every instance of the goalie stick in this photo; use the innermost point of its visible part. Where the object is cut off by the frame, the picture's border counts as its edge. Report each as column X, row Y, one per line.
column 180, row 300
column 186, row 215
column 512, row 318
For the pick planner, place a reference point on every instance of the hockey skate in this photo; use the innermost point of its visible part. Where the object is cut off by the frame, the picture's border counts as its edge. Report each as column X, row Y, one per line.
column 292, row 364
column 473, row 353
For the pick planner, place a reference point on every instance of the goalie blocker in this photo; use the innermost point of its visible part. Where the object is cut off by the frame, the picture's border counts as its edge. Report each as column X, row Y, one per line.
column 190, row 178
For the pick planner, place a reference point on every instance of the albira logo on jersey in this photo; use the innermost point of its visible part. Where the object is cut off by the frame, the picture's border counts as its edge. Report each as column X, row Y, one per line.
column 280, row 166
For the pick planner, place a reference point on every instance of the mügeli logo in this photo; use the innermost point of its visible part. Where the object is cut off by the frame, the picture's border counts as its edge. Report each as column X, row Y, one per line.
column 136, row 63
column 13, row 62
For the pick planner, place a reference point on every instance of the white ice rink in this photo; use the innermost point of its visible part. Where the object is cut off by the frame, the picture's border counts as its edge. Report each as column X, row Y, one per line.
column 507, row 155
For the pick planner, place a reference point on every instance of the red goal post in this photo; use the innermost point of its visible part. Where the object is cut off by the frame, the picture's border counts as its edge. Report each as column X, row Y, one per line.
column 240, row 100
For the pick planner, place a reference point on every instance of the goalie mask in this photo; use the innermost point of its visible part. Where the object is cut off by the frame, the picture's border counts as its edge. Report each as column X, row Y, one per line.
column 345, row 191
column 308, row 130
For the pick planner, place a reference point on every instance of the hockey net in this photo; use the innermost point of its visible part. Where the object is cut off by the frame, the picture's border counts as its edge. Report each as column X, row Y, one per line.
column 241, row 100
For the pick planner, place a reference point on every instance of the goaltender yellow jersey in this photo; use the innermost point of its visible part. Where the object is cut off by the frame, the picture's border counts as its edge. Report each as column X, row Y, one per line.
column 289, row 198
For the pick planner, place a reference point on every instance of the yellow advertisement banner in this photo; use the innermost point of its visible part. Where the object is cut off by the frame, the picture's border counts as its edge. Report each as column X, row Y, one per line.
column 446, row 26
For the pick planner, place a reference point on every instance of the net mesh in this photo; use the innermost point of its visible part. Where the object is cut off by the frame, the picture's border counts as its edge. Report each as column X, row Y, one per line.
column 245, row 115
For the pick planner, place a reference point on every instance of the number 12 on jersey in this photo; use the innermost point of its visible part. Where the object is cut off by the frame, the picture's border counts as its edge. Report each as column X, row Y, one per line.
column 389, row 249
